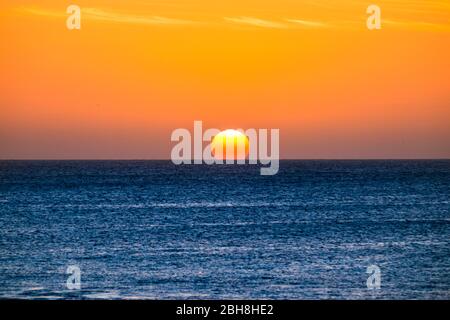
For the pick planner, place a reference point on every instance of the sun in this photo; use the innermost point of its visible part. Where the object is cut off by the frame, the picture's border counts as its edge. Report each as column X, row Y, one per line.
column 230, row 145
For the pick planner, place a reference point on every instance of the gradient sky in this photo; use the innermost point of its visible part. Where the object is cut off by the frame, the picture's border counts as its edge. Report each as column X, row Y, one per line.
column 139, row 69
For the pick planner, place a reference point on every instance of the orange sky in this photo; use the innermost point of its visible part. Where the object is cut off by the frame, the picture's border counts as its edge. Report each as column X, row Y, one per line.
column 139, row 69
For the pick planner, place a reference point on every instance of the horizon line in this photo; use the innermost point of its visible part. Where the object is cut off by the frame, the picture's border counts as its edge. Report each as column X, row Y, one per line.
column 165, row 159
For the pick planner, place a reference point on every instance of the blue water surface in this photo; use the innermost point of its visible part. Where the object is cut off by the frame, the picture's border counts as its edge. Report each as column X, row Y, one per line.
column 153, row 230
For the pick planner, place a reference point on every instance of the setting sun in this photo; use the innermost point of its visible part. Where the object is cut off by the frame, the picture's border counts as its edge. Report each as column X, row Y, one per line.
column 230, row 144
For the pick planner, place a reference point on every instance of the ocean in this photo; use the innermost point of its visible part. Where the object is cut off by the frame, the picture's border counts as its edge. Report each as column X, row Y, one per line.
column 153, row 230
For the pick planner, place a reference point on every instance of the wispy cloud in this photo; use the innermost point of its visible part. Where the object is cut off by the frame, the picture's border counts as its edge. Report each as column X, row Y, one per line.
column 417, row 25
column 98, row 14
column 251, row 21
column 101, row 15
column 40, row 12
column 308, row 24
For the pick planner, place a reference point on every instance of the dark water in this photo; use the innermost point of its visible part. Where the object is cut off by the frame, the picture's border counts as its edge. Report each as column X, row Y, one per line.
column 149, row 229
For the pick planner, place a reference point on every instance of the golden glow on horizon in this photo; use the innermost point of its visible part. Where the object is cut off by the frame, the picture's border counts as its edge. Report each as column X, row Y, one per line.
column 230, row 144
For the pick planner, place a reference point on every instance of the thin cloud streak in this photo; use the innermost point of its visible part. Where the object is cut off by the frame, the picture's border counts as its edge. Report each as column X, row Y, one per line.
column 96, row 14
column 309, row 24
column 100, row 15
column 417, row 25
column 251, row 21
column 114, row 17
